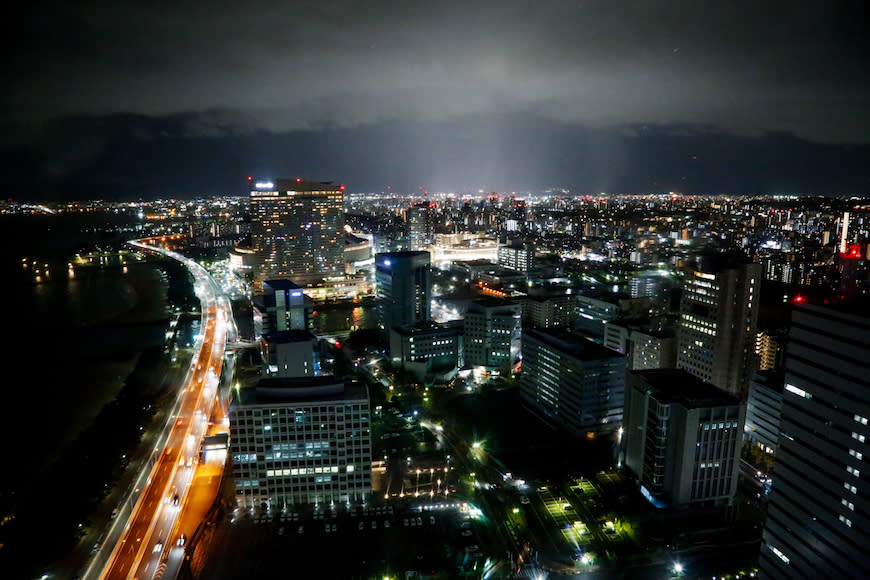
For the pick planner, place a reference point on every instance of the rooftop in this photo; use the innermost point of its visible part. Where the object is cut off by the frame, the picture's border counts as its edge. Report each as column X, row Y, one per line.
column 680, row 386
column 572, row 344
column 300, row 390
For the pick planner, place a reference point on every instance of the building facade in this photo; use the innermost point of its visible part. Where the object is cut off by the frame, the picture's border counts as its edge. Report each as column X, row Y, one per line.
column 431, row 351
column 682, row 438
column 297, row 228
column 301, row 441
column 290, row 353
column 817, row 518
column 718, row 322
column 403, row 287
column 764, row 410
column 492, row 334
column 572, row 382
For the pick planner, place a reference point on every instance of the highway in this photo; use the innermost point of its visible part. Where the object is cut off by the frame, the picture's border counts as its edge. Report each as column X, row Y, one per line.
column 153, row 535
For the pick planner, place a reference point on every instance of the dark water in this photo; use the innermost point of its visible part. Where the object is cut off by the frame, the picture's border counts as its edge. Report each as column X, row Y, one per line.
column 71, row 341
column 336, row 319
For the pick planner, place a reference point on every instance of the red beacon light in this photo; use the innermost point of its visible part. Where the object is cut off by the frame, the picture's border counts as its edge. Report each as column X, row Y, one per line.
column 798, row 298
column 298, row 180
column 341, row 188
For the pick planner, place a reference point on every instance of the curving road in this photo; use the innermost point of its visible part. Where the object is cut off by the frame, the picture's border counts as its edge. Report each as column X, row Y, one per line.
column 151, row 538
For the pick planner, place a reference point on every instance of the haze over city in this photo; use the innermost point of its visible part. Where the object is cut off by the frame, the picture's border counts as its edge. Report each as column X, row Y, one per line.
column 134, row 99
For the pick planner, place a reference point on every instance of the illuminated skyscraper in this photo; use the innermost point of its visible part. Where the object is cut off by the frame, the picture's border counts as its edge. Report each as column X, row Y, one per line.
column 419, row 218
column 817, row 524
column 404, row 287
column 718, row 322
column 298, row 229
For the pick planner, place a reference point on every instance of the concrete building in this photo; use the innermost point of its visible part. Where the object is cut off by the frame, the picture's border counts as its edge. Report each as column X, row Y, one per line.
column 517, row 255
column 283, row 306
column 682, row 438
column 592, row 313
column 419, row 225
column 403, row 287
column 572, row 382
column 643, row 348
column 290, row 353
column 817, row 518
column 297, row 228
column 301, row 441
column 718, row 322
column 432, row 351
column 548, row 311
column 492, row 334
column 764, row 410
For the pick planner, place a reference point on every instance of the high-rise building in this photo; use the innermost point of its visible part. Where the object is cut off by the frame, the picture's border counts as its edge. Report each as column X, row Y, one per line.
column 432, row 351
column 492, row 333
column 572, row 382
column 290, row 353
column 301, row 441
column 764, row 410
column 419, row 224
column 817, row 518
column 403, row 287
column 517, row 255
column 643, row 347
column 548, row 311
column 718, row 320
column 283, row 306
column 682, row 438
column 297, row 228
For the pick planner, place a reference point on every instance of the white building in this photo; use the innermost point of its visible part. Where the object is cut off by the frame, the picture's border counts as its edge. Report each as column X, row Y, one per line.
column 301, row 441
column 492, row 334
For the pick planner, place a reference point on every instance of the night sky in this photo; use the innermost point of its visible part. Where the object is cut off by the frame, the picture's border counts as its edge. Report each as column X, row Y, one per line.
column 125, row 99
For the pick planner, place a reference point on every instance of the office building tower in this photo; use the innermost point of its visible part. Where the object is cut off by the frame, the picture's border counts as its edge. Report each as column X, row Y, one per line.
column 431, row 351
column 817, row 518
column 644, row 348
column 283, row 306
column 572, row 382
column 301, row 441
column 403, row 287
column 682, row 438
column 419, row 225
column 517, row 255
column 290, row 353
column 844, row 233
column 297, row 228
column 764, row 410
column 492, row 334
column 548, row 311
column 718, row 320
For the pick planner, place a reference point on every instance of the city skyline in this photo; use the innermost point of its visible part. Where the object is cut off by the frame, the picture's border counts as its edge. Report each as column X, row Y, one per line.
column 189, row 101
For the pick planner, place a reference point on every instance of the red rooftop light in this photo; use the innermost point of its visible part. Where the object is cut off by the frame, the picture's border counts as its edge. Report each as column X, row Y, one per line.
column 341, row 187
column 298, row 180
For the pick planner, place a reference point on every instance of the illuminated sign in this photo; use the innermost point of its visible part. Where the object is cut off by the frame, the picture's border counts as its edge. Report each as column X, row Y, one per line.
column 264, row 185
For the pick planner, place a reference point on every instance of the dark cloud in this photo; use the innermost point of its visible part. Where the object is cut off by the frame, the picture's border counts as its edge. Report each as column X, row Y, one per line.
column 747, row 66
column 78, row 73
